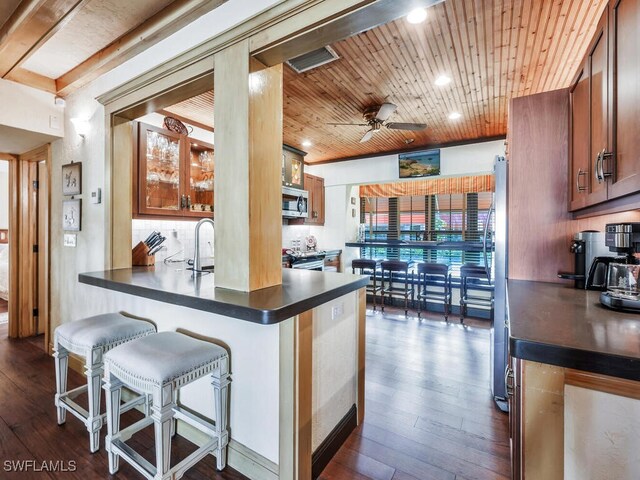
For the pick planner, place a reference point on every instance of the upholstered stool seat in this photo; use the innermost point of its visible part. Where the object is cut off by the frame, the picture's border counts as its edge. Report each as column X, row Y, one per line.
column 160, row 365
column 91, row 338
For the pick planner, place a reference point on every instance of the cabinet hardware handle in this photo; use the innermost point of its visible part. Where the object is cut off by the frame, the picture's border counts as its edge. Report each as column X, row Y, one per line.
column 579, row 187
column 604, row 154
column 598, row 166
column 509, row 381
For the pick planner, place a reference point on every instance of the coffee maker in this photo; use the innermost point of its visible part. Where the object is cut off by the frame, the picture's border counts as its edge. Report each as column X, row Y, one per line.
column 623, row 238
column 586, row 246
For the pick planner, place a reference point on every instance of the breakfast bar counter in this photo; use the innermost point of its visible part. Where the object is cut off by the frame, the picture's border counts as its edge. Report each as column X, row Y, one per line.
column 301, row 290
column 297, row 355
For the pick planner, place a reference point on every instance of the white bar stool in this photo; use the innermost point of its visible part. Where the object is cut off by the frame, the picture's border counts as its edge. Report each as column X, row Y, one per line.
column 160, row 365
column 91, row 338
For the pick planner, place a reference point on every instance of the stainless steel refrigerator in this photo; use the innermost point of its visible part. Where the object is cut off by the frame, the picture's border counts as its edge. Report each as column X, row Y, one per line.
column 500, row 323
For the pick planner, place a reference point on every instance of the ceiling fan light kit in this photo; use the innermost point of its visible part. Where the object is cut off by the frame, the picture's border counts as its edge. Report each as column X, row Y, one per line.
column 376, row 117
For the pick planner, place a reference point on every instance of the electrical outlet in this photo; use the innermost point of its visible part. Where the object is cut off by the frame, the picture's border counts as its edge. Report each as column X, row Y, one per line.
column 337, row 311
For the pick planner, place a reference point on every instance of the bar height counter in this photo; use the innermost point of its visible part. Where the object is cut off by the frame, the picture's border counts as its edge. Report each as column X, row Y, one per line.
column 297, row 356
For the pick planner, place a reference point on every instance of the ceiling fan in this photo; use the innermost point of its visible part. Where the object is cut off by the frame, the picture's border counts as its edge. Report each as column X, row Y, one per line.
column 377, row 116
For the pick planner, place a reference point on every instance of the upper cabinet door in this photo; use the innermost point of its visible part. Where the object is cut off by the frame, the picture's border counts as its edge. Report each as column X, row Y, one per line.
column 599, row 84
column 159, row 172
column 625, row 65
column 579, row 180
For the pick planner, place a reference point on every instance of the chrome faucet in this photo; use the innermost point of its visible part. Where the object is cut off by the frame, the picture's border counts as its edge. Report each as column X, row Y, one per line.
column 197, row 270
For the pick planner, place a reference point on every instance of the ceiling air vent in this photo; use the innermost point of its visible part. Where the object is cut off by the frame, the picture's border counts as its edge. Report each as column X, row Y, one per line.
column 313, row 59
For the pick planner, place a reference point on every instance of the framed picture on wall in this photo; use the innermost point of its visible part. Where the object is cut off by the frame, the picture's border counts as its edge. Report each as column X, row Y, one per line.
column 71, row 215
column 72, row 179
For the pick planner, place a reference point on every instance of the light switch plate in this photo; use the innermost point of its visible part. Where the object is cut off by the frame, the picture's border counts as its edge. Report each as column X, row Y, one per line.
column 54, row 122
column 96, row 196
column 70, row 240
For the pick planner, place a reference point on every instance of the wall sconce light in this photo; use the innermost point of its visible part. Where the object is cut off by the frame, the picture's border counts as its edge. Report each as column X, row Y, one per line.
column 81, row 125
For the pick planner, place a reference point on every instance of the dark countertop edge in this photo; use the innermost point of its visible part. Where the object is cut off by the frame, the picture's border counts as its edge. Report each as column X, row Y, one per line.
column 259, row 316
column 569, row 357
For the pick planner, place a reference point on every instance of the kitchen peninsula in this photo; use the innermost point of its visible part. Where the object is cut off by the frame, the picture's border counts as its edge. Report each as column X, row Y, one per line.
column 297, row 354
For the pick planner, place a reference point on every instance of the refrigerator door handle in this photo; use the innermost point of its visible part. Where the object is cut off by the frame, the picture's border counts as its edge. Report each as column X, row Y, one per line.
column 485, row 236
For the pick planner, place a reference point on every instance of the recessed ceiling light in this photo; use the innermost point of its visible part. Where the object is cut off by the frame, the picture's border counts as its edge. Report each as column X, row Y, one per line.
column 418, row 15
column 442, row 80
column 454, row 116
column 306, row 143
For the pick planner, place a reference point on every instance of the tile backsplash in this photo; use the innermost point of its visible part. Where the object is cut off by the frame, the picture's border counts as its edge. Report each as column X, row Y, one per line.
column 180, row 238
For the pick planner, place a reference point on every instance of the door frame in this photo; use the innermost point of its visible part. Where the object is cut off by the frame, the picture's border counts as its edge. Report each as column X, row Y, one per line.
column 24, row 224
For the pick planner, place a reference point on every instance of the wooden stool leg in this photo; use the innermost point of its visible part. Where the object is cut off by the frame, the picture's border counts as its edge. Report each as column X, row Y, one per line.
column 221, row 394
column 94, row 420
column 61, row 356
column 162, row 414
column 113, row 391
column 174, row 422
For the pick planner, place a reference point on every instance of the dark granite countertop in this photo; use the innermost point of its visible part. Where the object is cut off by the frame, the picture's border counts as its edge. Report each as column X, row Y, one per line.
column 301, row 290
column 560, row 325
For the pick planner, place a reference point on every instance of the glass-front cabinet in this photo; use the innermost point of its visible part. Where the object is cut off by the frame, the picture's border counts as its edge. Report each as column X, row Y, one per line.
column 175, row 174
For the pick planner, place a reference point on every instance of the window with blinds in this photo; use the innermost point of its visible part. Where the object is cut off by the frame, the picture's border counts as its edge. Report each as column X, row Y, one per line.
column 450, row 217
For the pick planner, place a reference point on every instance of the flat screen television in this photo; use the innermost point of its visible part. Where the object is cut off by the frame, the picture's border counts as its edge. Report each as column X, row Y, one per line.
column 419, row 164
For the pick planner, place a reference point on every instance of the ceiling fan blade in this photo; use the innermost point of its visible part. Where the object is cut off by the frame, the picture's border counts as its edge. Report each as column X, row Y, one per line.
column 367, row 136
column 386, row 110
column 354, row 124
column 407, row 126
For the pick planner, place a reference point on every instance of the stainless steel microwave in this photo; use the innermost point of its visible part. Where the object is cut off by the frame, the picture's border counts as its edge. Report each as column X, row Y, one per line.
column 295, row 203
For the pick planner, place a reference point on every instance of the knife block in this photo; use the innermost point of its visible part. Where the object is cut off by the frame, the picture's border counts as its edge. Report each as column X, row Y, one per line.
column 140, row 256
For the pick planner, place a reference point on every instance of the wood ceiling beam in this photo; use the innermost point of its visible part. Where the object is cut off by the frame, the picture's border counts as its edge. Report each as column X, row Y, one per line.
column 33, row 22
column 7, row 156
column 330, row 30
column 188, row 121
column 156, row 28
column 32, row 79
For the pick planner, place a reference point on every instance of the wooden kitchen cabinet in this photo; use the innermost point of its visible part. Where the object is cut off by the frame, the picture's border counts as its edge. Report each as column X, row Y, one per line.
column 315, row 187
column 605, row 111
column 624, row 24
column 174, row 175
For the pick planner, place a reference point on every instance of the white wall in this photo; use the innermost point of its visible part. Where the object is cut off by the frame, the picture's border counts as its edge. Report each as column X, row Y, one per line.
column 341, row 180
column 4, row 195
column 30, row 109
column 473, row 159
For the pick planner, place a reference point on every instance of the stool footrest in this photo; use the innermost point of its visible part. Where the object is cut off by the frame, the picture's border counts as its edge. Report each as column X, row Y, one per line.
column 208, row 428
column 133, row 458
column 126, row 433
column 75, row 409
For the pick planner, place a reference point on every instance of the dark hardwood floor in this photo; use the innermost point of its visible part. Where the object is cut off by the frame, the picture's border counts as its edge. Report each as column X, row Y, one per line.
column 429, row 413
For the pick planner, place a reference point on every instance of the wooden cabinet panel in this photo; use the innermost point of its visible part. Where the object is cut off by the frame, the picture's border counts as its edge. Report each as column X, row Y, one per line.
column 625, row 66
column 612, row 107
column 315, row 186
column 598, row 105
column 579, row 180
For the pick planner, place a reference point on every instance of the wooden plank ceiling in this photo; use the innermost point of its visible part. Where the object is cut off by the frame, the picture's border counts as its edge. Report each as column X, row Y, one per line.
column 61, row 45
column 492, row 50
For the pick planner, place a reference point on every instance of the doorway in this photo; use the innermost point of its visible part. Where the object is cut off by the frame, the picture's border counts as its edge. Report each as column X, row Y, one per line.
column 4, row 241
column 28, row 244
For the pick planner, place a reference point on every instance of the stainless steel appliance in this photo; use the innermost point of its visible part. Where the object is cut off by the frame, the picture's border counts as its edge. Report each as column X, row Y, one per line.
column 622, row 278
column 586, row 246
column 500, row 325
column 295, row 203
column 313, row 260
